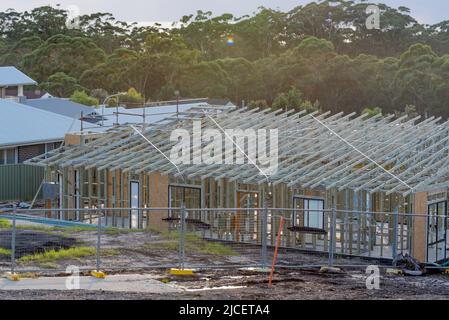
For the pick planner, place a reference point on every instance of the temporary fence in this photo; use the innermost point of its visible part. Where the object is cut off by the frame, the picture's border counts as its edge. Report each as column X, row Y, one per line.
column 48, row 240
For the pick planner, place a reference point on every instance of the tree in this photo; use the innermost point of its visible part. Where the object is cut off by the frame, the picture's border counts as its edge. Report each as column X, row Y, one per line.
column 132, row 99
column 293, row 99
column 310, row 107
column 114, row 74
column 371, row 112
column 205, row 79
column 13, row 54
column 322, row 49
column 165, row 59
column 261, row 35
column 261, row 104
column 83, row 98
column 205, row 33
column 71, row 55
column 240, row 72
column 61, row 85
column 326, row 20
column 421, row 80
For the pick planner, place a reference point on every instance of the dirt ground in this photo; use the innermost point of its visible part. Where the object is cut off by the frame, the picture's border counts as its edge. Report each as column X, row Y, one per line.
column 228, row 276
column 288, row 284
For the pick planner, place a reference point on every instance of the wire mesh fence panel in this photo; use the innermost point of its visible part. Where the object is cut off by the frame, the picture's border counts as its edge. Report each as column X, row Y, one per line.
column 143, row 238
column 41, row 243
column 224, row 237
column 151, row 240
column 6, row 243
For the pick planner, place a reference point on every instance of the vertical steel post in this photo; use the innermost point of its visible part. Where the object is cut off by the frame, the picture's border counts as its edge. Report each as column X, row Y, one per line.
column 264, row 234
column 333, row 222
column 98, row 242
column 13, row 241
column 369, row 220
column 182, row 237
column 395, row 235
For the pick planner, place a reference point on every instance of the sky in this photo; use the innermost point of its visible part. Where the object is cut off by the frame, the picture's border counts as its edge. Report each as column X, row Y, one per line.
column 426, row 11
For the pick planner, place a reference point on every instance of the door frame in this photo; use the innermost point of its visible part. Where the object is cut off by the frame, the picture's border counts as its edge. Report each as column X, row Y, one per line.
column 131, row 182
column 436, row 203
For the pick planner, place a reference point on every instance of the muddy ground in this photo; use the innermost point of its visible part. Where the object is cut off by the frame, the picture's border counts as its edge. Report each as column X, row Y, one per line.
column 292, row 285
column 222, row 276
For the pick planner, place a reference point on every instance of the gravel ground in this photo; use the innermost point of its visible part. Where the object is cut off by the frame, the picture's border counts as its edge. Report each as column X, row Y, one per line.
column 248, row 285
column 133, row 254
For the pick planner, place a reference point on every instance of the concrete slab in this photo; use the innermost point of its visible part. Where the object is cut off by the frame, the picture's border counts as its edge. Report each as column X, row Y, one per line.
column 114, row 283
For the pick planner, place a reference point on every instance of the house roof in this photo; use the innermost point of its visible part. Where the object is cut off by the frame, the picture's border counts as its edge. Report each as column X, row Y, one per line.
column 135, row 115
column 374, row 154
column 21, row 125
column 61, row 106
column 71, row 109
column 10, row 76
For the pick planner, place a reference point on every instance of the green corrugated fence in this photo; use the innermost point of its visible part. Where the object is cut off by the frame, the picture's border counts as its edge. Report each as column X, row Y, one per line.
column 19, row 181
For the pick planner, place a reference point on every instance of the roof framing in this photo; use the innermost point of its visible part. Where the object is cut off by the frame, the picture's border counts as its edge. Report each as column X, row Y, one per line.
column 376, row 154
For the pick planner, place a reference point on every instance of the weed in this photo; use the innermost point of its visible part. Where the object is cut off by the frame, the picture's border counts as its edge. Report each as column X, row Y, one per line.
column 5, row 252
column 193, row 243
column 65, row 254
column 49, row 265
column 5, row 224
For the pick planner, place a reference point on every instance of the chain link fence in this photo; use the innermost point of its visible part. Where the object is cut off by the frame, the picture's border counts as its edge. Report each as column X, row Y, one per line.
column 50, row 240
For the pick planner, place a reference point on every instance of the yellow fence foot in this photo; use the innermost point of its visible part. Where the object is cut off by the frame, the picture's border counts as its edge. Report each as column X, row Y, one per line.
column 181, row 272
column 98, row 274
column 12, row 276
column 396, row 272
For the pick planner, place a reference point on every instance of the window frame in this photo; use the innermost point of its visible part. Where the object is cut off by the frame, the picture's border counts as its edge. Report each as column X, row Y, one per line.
column 4, row 156
column 307, row 211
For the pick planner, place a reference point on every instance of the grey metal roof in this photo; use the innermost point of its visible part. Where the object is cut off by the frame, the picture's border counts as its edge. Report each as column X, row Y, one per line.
column 10, row 76
column 60, row 106
column 21, row 125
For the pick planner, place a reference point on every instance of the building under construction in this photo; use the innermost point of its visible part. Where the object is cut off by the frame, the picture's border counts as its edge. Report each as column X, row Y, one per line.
column 379, row 182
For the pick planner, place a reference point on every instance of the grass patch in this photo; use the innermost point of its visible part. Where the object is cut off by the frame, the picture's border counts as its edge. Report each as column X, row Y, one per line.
column 56, row 255
column 75, row 229
column 5, row 224
column 34, row 228
column 5, row 252
column 193, row 243
column 49, row 265
column 75, row 253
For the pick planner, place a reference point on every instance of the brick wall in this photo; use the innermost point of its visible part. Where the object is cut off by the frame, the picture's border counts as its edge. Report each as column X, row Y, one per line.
column 28, row 152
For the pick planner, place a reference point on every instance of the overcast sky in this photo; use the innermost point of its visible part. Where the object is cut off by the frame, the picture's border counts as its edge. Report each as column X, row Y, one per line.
column 426, row 11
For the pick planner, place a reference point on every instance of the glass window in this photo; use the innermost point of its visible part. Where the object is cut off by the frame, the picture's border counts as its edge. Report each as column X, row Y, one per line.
column 189, row 195
column 311, row 212
column 10, row 156
column 314, row 217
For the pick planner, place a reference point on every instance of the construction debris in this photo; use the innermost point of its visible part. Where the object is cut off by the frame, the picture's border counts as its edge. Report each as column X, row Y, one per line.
column 408, row 265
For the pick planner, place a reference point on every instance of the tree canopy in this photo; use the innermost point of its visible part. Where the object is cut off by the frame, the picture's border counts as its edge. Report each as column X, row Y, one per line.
column 318, row 55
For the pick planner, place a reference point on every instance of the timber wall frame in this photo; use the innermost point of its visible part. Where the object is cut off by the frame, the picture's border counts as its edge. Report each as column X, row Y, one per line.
column 356, row 218
column 359, row 161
